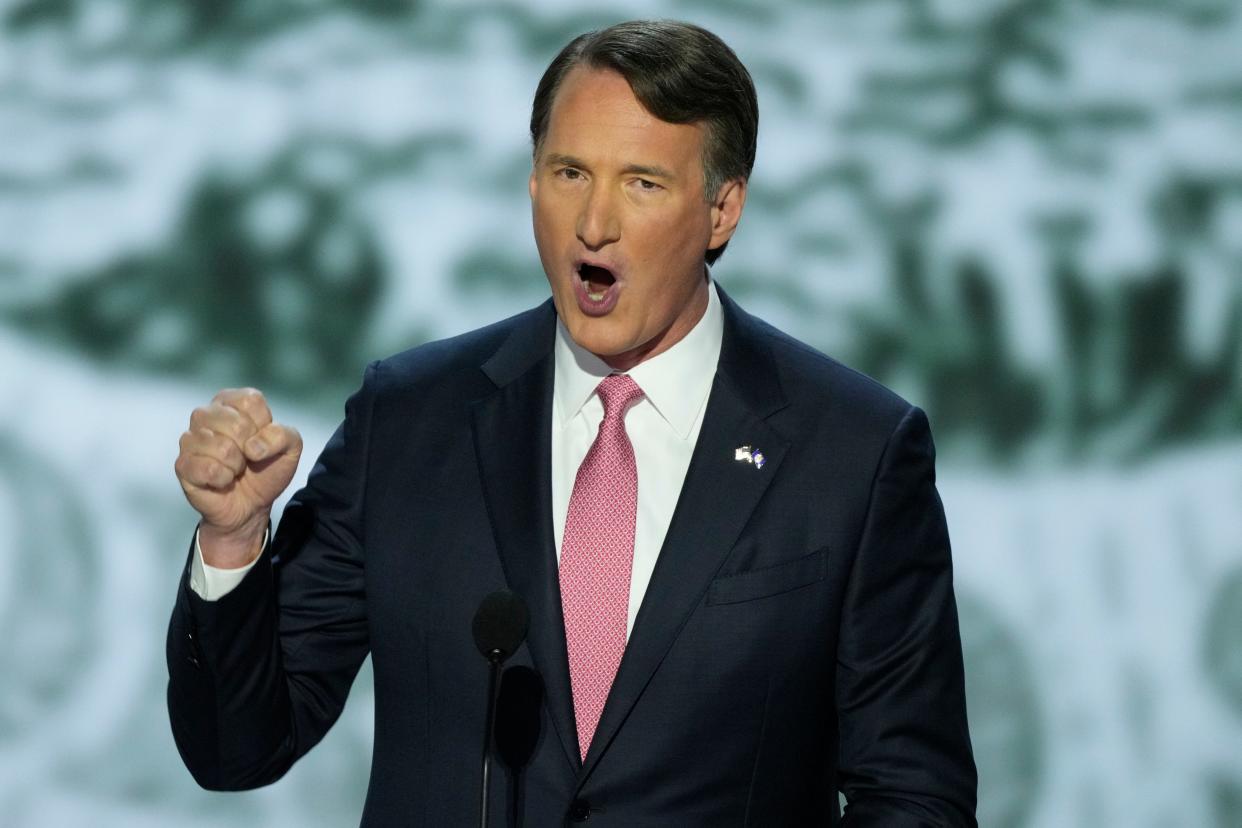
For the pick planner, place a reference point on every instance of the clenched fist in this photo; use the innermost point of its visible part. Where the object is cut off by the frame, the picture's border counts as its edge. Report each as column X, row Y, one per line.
column 234, row 463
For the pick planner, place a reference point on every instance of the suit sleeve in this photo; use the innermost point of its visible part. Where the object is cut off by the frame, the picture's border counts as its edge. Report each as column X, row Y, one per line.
column 905, row 756
column 257, row 677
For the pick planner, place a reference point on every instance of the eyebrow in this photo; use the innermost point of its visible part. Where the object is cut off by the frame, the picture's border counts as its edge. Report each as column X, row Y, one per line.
column 652, row 170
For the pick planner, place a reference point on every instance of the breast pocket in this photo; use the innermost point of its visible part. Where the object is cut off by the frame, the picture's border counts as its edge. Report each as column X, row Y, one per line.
column 770, row 580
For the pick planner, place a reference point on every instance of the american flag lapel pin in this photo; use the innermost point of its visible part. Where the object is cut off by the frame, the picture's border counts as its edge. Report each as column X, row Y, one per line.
column 749, row 454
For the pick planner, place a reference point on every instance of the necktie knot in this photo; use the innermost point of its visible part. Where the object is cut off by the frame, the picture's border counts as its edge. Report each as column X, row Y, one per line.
column 616, row 392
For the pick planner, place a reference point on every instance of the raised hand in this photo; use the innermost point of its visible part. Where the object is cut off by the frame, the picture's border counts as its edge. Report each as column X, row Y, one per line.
column 233, row 464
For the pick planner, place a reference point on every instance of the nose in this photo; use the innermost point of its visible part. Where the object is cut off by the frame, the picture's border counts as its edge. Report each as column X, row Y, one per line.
column 598, row 222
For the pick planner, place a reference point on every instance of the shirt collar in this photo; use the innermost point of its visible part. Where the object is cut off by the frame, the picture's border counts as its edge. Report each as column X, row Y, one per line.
column 676, row 382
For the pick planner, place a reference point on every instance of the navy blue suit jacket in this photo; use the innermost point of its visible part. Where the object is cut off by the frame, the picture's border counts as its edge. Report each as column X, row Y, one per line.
column 799, row 633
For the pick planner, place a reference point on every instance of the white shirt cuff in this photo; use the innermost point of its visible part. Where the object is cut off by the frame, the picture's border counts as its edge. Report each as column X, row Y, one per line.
column 212, row 583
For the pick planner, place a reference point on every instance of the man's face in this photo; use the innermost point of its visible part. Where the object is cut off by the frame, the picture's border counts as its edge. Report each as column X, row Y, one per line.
column 620, row 219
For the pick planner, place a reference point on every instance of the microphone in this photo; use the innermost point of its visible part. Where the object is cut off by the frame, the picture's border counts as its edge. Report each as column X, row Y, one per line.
column 499, row 628
column 500, row 624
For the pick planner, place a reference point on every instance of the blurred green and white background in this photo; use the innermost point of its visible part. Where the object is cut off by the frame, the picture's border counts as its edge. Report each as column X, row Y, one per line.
column 1025, row 215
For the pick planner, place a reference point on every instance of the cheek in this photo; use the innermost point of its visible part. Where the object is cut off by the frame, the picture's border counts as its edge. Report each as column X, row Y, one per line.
column 553, row 219
column 674, row 237
column 539, row 214
column 545, row 228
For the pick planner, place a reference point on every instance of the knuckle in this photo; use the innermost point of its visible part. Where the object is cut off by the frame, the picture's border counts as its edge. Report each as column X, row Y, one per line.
column 226, row 475
column 255, row 405
column 230, row 425
column 204, row 438
column 202, row 466
column 231, row 455
column 229, row 428
column 247, row 412
column 217, row 473
column 245, row 429
column 192, row 471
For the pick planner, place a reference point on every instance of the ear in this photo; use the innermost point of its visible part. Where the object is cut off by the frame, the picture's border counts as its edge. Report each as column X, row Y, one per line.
column 532, row 184
column 727, row 211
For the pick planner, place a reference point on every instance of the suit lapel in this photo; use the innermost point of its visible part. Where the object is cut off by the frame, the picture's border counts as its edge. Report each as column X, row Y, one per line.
column 512, row 437
column 716, row 502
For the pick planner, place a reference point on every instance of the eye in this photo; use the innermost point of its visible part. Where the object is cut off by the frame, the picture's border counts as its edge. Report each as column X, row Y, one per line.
column 569, row 173
column 648, row 186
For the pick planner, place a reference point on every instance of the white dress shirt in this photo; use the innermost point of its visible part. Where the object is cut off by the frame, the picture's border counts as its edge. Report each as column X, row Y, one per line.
column 663, row 427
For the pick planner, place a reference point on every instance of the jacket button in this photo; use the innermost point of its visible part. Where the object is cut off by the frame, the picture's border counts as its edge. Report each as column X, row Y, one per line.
column 580, row 810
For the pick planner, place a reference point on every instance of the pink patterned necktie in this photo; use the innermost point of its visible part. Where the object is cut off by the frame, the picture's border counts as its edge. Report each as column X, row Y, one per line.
column 596, row 556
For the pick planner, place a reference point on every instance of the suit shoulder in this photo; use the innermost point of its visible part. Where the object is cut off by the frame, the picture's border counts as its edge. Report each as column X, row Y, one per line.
column 810, row 376
column 444, row 359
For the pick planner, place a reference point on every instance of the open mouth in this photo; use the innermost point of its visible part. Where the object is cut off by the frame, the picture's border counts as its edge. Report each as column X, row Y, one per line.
column 596, row 280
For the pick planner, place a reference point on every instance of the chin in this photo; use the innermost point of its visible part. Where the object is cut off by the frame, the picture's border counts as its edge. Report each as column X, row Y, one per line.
column 589, row 334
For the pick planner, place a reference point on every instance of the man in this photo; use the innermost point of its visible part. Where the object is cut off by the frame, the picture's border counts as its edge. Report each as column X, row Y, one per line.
column 732, row 548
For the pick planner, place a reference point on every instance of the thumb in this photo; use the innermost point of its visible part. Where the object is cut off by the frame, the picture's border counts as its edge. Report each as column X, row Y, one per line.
column 272, row 441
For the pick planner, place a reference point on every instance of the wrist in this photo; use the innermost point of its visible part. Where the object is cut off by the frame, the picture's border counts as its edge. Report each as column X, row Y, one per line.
column 235, row 547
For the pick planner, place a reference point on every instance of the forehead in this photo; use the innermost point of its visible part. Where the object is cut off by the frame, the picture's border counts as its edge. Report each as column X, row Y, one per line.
column 595, row 114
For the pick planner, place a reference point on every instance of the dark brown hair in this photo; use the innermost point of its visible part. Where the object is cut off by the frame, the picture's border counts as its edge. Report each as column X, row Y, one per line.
column 680, row 73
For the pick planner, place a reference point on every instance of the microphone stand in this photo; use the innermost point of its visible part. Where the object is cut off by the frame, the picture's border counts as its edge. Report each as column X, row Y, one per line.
column 499, row 627
column 494, row 660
